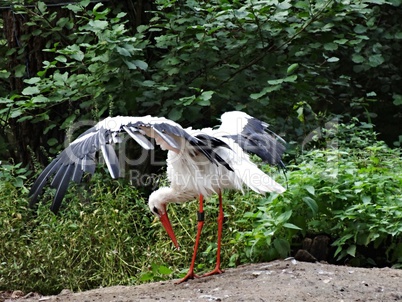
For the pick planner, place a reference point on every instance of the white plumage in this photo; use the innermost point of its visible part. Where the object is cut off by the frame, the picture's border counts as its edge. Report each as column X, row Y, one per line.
column 199, row 162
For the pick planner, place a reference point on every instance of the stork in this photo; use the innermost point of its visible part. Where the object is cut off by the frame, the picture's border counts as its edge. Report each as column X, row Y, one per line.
column 199, row 163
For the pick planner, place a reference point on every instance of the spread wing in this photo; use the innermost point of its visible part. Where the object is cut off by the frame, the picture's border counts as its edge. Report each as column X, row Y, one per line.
column 79, row 157
column 253, row 136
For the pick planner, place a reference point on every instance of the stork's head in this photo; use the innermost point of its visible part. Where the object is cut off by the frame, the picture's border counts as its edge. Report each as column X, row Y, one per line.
column 157, row 203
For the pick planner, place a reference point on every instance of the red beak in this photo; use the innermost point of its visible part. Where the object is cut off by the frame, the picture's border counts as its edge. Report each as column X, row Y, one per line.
column 168, row 227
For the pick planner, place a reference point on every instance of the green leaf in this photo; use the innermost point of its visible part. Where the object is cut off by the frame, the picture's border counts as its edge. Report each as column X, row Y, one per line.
column 397, row 99
column 15, row 113
column 123, row 51
column 164, row 270
column 175, row 113
column 74, row 8
column 291, row 226
column 60, row 78
column 4, row 74
column 310, row 189
column 351, row 250
column 357, row 58
column 376, row 60
column 360, row 29
column 85, row 3
column 20, row 71
column 78, row 56
column 256, row 96
column 141, row 64
column 204, row 98
column 185, row 101
column 18, row 182
column 31, row 90
column 39, row 99
column 266, row 90
column 341, row 41
column 332, row 59
column 37, row 32
column 275, row 82
column 130, row 64
column 73, row 226
column 33, row 80
column 292, row 68
column 52, row 141
column 63, row 21
column 284, row 5
column 97, row 25
column 97, row 5
column 330, row 46
column 25, row 118
column 312, row 204
column 41, row 6
column 284, row 217
column 366, row 199
column 60, row 58
column 147, row 276
column 290, row 79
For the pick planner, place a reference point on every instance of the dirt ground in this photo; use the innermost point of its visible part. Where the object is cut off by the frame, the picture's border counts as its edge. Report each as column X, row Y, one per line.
column 287, row 280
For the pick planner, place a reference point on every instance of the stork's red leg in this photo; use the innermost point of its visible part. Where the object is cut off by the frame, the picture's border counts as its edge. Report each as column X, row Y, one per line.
column 200, row 216
column 217, row 269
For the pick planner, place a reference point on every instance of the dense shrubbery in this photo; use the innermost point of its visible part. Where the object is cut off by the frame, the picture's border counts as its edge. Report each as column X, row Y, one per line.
column 280, row 61
column 351, row 191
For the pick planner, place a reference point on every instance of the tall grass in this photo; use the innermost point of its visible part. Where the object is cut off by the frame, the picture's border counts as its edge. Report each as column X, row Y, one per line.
column 104, row 235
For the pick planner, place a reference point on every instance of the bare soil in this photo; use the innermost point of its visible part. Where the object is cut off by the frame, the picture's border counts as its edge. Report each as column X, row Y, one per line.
column 279, row 280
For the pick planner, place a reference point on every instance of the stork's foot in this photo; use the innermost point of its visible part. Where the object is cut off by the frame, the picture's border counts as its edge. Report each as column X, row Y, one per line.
column 190, row 275
column 217, row 270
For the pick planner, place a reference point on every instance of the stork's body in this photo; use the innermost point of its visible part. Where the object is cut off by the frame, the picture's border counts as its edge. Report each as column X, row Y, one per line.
column 199, row 162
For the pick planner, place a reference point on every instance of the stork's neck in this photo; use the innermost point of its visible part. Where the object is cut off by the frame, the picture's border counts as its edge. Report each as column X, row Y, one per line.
column 164, row 195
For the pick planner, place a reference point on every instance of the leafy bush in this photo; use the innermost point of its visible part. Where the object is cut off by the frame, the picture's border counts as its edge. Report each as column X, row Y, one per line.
column 353, row 193
column 281, row 61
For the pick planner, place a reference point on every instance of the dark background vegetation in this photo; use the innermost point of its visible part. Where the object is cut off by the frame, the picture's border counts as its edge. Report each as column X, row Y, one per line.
column 325, row 74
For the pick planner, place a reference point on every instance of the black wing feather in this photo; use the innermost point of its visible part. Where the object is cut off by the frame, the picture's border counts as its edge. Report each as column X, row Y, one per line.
column 207, row 145
column 41, row 181
column 62, row 186
column 78, row 172
column 69, row 165
column 255, row 139
column 89, row 164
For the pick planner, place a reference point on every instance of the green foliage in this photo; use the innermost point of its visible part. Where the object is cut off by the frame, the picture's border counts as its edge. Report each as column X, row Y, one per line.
column 94, row 69
column 351, row 192
column 92, row 244
column 13, row 176
column 269, row 57
column 283, row 61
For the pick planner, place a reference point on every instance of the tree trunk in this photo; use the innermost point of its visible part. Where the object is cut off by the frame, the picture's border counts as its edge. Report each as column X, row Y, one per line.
column 25, row 138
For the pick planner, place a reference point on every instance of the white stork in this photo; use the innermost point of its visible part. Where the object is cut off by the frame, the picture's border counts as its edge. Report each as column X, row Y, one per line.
column 199, row 163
